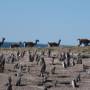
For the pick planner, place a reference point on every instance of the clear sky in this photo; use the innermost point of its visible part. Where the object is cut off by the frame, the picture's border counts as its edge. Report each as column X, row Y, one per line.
column 46, row 20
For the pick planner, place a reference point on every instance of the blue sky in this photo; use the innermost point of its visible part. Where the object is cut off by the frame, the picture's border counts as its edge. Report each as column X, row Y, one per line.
column 46, row 20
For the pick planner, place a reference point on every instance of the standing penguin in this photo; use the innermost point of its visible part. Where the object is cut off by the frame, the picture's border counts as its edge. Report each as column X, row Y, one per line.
column 9, row 84
column 43, row 66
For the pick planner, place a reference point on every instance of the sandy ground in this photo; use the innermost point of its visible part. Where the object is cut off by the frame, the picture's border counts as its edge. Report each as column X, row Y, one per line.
column 63, row 76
